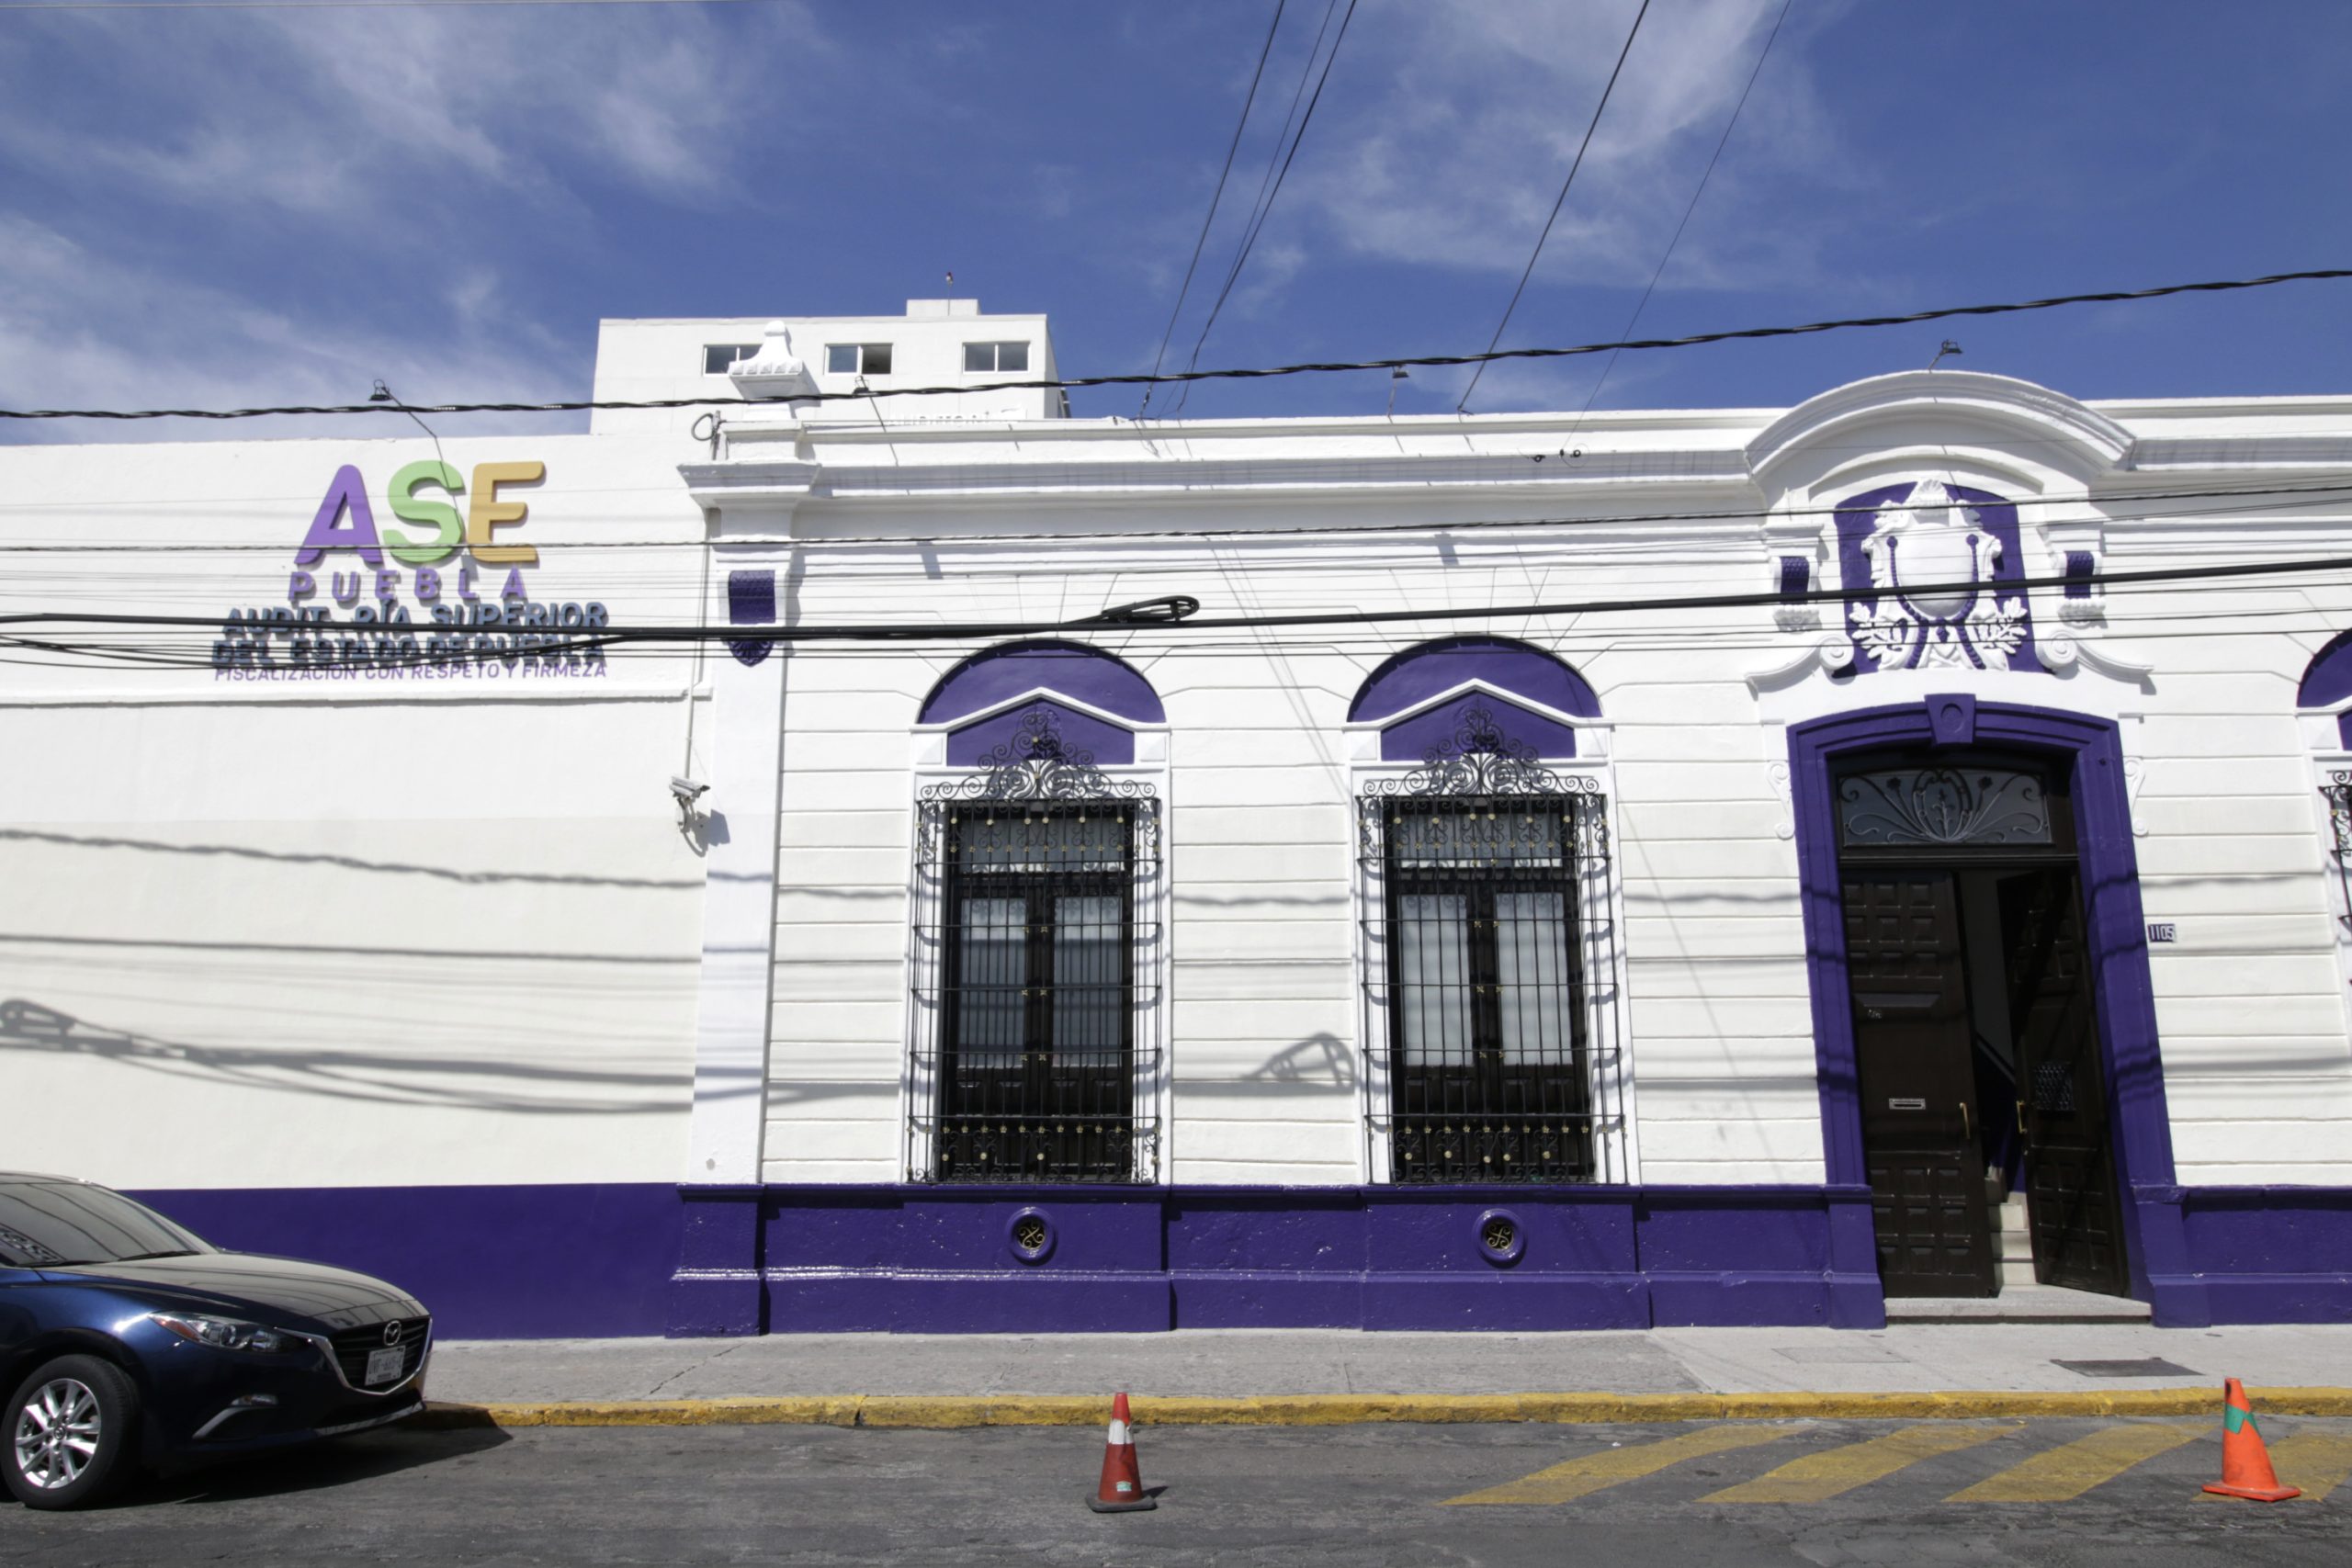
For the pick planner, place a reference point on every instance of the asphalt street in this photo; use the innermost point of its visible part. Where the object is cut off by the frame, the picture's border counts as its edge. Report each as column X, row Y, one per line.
column 1827, row 1492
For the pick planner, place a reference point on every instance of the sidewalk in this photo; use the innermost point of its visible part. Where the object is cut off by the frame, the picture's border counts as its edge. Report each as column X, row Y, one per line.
column 1312, row 1375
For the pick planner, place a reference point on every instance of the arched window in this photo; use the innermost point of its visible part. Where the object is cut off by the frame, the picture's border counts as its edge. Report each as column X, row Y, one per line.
column 2323, row 697
column 1488, row 909
column 1036, row 1034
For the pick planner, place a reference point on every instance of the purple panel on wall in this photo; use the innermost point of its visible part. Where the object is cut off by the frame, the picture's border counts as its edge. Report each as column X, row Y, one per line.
column 1105, row 743
column 1089, row 674
column 1857, row 517
column 751, row 601
column 750, row 598
column 2327, row 680
column 1952, row 716
column 2087, row 747
column 1430, row 669
column 2080, row 564
column 1796, row 575
column 488, row 1262
column 1441, row 729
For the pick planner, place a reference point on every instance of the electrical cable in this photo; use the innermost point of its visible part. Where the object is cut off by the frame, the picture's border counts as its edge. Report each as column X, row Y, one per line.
column 1709, row 173
column 1735, row 514
column 1693, row 339
column 1265, row 206
column 1216, row 196
column 1582, row 147
column 1001, row 630
column 2321, row 624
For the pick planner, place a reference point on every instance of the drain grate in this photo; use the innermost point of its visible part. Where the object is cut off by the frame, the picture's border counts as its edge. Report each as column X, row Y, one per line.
column 2147, row 1366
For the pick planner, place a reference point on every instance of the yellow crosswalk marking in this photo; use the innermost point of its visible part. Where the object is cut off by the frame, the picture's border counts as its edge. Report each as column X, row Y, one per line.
column 2072, row 1468
column 1588, row 1473
column 1828, row 1475
column 2316, row 1461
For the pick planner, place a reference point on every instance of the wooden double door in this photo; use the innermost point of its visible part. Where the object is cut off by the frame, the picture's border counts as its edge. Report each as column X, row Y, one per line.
column 1977, row 1047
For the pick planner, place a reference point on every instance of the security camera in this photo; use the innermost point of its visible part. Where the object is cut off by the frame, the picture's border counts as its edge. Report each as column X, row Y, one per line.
column 687, row 791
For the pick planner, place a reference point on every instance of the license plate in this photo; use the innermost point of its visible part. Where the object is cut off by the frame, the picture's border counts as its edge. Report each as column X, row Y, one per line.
column 384, row 1366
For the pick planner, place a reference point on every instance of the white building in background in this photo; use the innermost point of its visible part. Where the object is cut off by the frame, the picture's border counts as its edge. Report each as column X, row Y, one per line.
column 969, row 934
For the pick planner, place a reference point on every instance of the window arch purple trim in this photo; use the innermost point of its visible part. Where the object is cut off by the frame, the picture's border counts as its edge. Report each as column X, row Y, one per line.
column 2327, row 679
column 1505, row 663
column 1421, row 671
column 2139, row 1119
column 1074, row 670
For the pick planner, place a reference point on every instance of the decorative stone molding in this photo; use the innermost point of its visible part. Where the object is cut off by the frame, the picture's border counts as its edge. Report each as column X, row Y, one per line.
column 774, row 372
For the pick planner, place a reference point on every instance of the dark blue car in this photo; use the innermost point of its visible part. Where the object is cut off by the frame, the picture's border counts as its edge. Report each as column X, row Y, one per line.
column 126, row 1341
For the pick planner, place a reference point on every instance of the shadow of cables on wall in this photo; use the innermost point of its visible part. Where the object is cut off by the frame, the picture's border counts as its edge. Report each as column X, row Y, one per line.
column 421, row 1079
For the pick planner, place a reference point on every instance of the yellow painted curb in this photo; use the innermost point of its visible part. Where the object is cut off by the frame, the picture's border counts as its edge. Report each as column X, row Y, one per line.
column 944, row 1412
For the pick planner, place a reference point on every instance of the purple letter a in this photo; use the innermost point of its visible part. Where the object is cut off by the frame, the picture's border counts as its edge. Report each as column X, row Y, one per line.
column 349, row 492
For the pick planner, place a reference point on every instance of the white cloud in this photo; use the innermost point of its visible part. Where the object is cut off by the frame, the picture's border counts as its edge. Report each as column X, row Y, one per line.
column 78, row 330
column 374, row 114
column 1455, row 158
column 278, row 207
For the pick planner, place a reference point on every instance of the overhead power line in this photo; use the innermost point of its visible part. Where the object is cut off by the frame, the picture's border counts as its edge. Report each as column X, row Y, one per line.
column 1245, row 534
column 1557, row 201
column 1265, row 205
column 1209, row 218
column 1676, row 239
column 556, row 641
column 1693, row 339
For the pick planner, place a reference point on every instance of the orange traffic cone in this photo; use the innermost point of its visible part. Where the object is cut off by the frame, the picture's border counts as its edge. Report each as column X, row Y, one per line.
column 1121, row 1488
column 2245, row 1463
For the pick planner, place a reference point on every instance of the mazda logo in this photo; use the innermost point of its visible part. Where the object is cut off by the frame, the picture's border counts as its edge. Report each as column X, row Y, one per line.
column 392, row 1334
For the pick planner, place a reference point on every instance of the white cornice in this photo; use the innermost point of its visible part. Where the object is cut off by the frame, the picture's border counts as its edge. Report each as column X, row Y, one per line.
column 1723, row 457
column 778, row 481
column 1958, row 396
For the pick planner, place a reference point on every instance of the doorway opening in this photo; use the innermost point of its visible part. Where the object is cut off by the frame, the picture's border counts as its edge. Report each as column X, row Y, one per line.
column 1984, row 1100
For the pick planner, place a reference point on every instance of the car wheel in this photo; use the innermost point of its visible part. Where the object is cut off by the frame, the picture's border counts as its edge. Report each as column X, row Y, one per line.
column 71, row 1433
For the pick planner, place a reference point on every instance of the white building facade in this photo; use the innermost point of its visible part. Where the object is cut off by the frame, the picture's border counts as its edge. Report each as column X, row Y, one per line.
column 1506, row 872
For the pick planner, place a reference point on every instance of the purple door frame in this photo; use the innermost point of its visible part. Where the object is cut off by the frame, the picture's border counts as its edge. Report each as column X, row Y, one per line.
column 2092, row 753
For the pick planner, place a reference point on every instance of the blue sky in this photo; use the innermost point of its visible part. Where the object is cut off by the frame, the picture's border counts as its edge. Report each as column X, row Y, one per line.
column 218, row 206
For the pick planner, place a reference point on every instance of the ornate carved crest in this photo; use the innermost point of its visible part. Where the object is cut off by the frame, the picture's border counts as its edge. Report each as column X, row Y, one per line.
column 1036, row 763
column 1933, row 558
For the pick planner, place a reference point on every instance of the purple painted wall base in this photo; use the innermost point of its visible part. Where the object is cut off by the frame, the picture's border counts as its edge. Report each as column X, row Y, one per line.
column 599, row 1262
column 548, row 1262
column 2269, row 1254
column 951, row 1259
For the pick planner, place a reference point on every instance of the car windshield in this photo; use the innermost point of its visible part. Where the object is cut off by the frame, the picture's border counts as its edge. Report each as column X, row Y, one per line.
column 53, row 1224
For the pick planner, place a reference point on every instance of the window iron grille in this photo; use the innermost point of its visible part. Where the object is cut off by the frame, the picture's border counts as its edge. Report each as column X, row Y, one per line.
column 1490, row 974
column 2337, row 792
column 1036, row 1053
column 1939, row 807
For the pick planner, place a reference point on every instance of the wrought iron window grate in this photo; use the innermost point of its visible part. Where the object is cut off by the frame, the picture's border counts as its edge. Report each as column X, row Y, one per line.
column 1490, row 976
column 1037, row 1051
column 2337, row 792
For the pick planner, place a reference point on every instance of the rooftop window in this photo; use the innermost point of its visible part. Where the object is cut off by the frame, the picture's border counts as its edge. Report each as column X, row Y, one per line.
column 857, row 358
column 987, row 357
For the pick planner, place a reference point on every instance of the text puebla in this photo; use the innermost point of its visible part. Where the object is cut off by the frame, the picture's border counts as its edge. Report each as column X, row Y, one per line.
column 441, row 565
